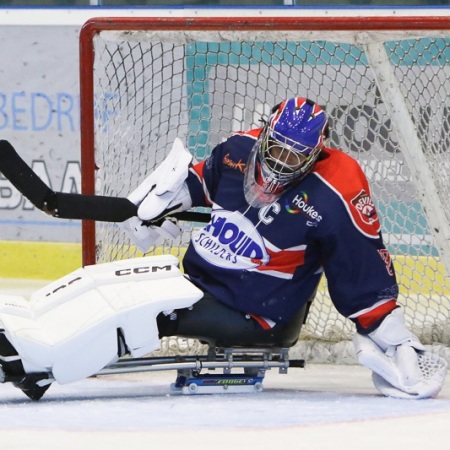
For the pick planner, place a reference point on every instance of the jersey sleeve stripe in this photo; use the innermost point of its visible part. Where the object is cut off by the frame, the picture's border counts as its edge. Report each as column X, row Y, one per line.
column 284, row 261
column 197, row 170
column 368, row 317
column 254, row 134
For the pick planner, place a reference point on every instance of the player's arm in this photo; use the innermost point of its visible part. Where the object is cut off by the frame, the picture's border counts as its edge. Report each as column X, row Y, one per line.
column 363, row 287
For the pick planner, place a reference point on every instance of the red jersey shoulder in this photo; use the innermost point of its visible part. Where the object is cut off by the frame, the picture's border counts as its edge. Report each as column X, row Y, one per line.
column 344, row 175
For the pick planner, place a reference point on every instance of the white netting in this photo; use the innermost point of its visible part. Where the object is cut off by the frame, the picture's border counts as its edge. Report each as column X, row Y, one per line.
column 152, row 87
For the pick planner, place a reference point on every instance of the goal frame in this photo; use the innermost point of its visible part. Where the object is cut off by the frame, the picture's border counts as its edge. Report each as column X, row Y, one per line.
column 224, row 23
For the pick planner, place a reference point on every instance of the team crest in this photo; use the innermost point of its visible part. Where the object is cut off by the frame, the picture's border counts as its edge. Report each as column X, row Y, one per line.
column 365, row 207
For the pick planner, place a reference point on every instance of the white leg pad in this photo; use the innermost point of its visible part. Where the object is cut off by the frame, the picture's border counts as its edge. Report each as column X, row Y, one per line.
column 70, row 327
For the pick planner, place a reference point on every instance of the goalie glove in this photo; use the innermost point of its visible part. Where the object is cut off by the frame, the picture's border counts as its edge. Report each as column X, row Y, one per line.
column 401, row 367
column 164, row 191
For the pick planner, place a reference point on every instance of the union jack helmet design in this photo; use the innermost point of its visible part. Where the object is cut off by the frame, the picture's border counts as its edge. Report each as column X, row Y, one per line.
column 286, row 151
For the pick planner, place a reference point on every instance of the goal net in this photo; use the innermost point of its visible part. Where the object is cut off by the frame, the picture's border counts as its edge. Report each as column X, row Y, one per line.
column 383, row 82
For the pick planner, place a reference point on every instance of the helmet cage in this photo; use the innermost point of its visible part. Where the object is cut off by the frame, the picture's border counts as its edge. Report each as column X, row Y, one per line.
column 286, row 150
column 292, row 159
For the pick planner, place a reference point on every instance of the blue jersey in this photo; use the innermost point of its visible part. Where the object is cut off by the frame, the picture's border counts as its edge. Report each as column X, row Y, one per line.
column 269, row 261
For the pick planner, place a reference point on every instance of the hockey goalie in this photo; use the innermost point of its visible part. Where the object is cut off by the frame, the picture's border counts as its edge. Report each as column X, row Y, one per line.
column 286, row 209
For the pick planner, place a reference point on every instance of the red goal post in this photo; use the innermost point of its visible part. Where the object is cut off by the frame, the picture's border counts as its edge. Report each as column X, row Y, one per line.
column 382, row 79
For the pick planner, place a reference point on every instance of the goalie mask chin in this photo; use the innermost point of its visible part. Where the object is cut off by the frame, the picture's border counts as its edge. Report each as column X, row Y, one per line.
column 286, row 151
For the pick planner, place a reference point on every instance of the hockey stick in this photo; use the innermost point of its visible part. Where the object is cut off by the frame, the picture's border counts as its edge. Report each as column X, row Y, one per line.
column 70, row 206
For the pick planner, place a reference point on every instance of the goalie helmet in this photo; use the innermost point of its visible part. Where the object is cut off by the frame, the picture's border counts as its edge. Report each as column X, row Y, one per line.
column 287, row 149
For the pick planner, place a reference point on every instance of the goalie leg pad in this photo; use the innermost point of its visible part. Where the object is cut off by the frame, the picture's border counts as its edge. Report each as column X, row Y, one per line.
column 70, row 327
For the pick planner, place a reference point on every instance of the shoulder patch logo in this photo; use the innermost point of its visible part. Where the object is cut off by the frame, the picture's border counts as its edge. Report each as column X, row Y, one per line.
column 365, row 207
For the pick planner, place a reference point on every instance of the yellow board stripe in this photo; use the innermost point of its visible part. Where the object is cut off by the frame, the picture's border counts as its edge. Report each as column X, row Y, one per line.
column 423, row 275
column 38, row 260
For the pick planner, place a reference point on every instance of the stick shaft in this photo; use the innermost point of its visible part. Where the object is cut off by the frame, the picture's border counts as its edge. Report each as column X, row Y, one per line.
column 70, row 206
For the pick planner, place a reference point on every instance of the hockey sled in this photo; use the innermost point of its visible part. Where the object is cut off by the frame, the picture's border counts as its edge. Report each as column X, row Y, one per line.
column 77, row 326
column 221, row 371
column 194, row 372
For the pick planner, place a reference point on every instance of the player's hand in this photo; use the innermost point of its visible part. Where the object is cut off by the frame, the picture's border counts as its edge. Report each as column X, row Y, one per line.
column 400, row 364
